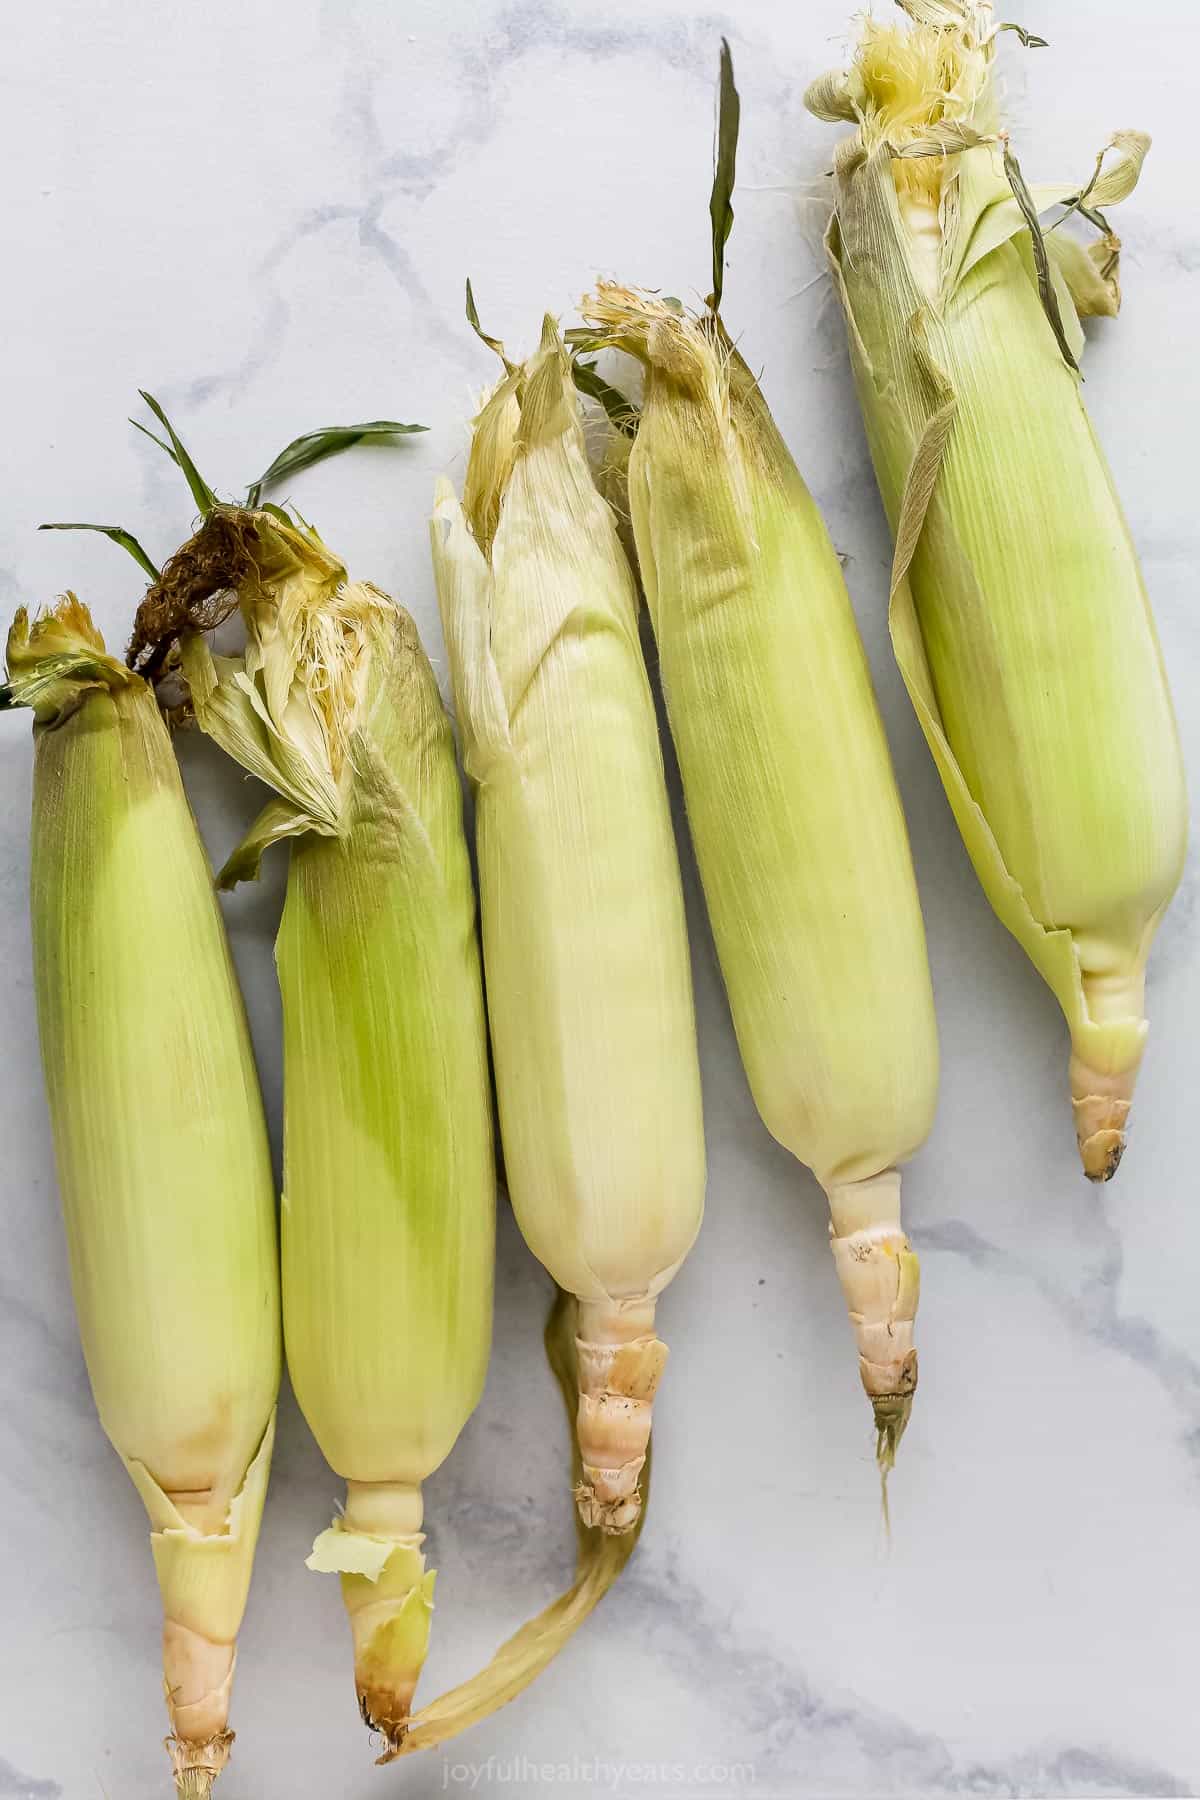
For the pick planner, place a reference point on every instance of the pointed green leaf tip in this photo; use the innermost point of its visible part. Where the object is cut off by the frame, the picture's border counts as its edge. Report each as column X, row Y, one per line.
column 493, row 344
column 155, row 439
column 328, row 440
column 1027, row 37
column 202, row 494
column 720, row 206
column 118, row 535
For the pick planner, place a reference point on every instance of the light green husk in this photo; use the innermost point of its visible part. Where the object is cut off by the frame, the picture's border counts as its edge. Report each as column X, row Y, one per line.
column 161, row 1148
column 389, row 1186
column 1018, row 613
column 793, row 807
column 589, row 984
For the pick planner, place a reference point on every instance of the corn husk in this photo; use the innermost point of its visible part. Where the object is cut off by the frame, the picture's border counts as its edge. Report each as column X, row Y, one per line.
column 793, row 807
column 1018, row 612
column 161, row 1149
column 389, row 1188
column 589, row 984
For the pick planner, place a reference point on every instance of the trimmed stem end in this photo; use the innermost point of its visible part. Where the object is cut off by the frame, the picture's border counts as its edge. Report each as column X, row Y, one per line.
column 881, row 1283
column 892, row 1413
column 620, row 1362
column 390, row 1616
column 388, row 1713
column 1101, row 1105
column 196, row 1766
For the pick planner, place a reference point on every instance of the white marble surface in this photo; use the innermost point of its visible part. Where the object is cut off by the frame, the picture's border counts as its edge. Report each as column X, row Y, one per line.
column 264, row 213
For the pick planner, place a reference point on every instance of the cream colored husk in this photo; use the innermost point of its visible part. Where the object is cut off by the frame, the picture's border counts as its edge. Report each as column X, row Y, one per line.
column 589, row 984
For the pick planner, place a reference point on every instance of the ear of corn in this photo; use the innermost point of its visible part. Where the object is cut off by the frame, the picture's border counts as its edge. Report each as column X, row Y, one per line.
column 589, row 986
column 793, row 808
column 161, row 1148
column 388, row 1209
column 1018, row 613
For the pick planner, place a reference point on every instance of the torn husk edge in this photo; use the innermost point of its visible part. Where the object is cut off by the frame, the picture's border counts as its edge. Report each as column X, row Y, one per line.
column 55, row 659
column 600, row 1560
column 204, row 1578
column 388, row 1595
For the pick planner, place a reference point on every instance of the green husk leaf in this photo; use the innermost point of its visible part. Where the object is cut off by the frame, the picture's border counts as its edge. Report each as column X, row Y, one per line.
column 202, row 494
column 118, row 535
column 1051, row 950
column 316, row 446
column 600, row 1561
column 493, row 344
column 720, row 205
column 621, row 411
column 155, row 439
column 278, row 820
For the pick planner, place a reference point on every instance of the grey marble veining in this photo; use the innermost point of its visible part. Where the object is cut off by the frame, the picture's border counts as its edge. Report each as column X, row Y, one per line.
column 264, row 214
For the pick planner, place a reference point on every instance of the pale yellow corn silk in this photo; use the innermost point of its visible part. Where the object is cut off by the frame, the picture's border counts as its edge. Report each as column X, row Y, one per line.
column 793, row 807
column 389, row 1185
column 1018, row 612
column 589, row 983
column 160, row 1144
